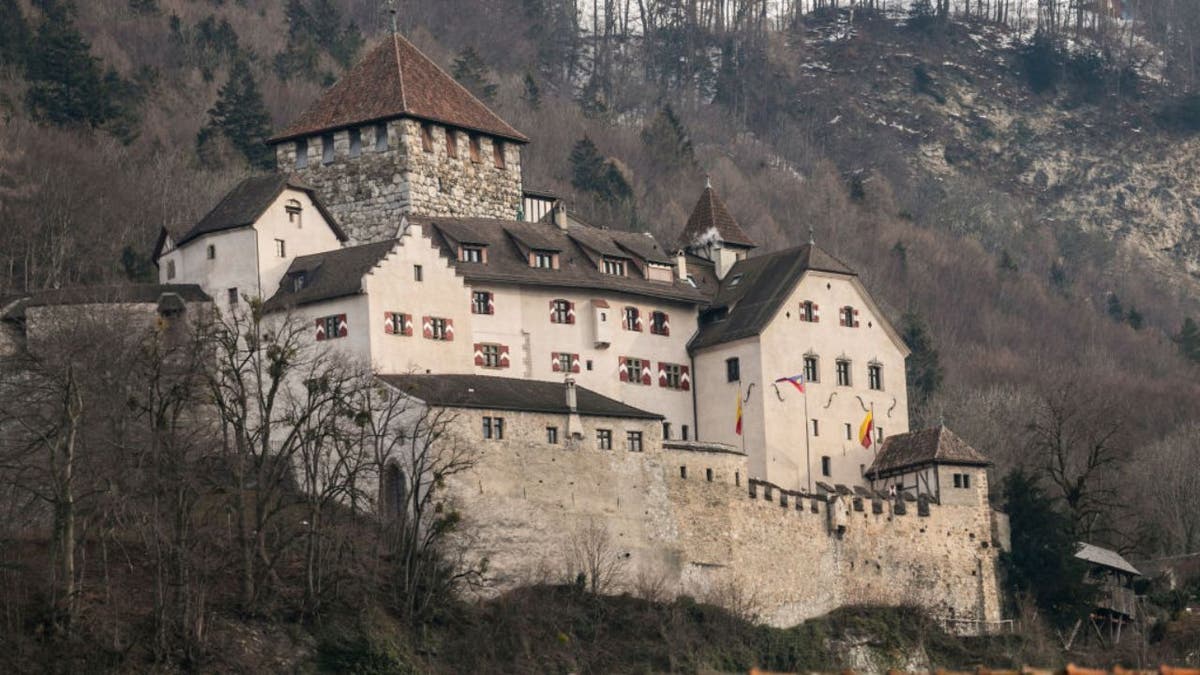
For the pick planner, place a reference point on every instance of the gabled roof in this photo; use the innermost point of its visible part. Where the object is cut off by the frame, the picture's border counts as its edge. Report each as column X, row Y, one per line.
column 328, row 275
column 507, row 243
column 937, row 445
column 245, row 203
column 1104, row 557
column 709, row 216
column 128, row 294
column 507, row 393
column 396, row 80
column 754, row 289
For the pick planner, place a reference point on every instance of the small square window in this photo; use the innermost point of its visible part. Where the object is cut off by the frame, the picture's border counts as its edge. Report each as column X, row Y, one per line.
column 552, row 435
column 633, row 439
column 211, row 252
column 491, row 355
column 733, row 372
column 589, row 364
column 280, row 248
column 418, row 273
column 493, row 428
column 481, row 302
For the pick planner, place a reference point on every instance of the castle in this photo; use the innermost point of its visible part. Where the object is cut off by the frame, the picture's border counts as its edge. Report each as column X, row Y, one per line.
column 733, row 420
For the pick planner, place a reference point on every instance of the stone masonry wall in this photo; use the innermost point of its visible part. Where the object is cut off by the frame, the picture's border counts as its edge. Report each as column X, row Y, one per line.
column 712, row 539
column 369, row 194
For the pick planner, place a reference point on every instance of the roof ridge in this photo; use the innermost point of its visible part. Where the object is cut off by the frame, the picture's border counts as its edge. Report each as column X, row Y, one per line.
column 400, row 68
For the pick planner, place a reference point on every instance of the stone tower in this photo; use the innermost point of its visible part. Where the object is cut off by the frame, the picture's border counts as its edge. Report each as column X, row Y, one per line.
column 397, row 135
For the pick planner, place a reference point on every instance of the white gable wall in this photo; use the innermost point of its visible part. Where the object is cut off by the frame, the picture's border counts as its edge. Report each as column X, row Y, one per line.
column 311, row 234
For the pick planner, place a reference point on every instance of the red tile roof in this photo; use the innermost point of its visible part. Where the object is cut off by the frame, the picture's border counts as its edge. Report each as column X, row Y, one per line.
column 710, row 214
column 396, row 80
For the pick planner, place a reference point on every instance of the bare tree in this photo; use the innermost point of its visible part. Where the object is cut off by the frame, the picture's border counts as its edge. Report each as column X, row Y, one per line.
column 594, row 559
column 1170, row 486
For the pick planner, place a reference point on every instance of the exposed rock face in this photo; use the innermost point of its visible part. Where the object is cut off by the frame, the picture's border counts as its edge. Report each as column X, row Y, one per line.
column 369, row 185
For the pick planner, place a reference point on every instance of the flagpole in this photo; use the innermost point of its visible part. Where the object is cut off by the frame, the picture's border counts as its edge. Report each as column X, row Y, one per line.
column 874, row 444
column 807, row 452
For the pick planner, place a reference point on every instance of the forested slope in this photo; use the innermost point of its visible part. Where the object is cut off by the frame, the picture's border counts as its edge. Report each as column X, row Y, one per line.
column 1025, row 208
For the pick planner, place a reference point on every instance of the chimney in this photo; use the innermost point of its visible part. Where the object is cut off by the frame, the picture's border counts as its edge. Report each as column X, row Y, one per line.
column 574, row 422
column 560, row 214
column 572, row 396
column 681, row 265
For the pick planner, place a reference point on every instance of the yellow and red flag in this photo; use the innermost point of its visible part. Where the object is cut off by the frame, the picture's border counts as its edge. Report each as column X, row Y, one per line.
column 864, row 430
column 738, row 426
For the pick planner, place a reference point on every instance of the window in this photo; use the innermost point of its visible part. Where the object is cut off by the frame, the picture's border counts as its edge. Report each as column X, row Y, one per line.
column 849, row 432
column 395, row 323
column 847, row 316
column 438, row 329
column 498, row 153
column 233, row 296
column 962, row 480
column 493, row 428
column 302, row 153
column 332, row 327
column 708, row 475
column 589, row 364
column 474, row 149
column 170, row 269
column 560, row 312
column 542, row 260
column 683, row 472
column 427, row 137
column 671, row 375
column 297, row 279
column 683, row 432
column 604, row 439
column 394, row 493
column 381, row 137
column 879, row 434
column 211, row 252
column 875, row 376
column 633, row 439
column 632, row 319
column 552, row 435
column 327, row 149
column 843, row 373
column 808, row 311
column 562, row 362
column 666, row 431
column 659, row 325
column 816, row 428
column 355, row 142
column 733, row 371
column 811, row 372
column 614, row 267
column 280, row 249
column 418, row 273
column 481, row 302
column 633, row 370
column 451, row 143
column 293, row 210
column 473, row 254
column 826, row 467
column 491, row 355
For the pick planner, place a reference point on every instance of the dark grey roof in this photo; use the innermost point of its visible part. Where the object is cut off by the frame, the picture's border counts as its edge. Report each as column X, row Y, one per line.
column 938, row 445
column 508, row 242
column 507, row 393
column 1098, row 555
column 14, row 308
column 243, row 205
column 328, row 275
column 751, row 293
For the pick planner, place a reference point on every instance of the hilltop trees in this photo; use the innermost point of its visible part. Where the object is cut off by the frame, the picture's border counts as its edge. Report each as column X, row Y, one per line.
column 923, row 368
column 1189, row 340
column 240, row 117
column 472, row 73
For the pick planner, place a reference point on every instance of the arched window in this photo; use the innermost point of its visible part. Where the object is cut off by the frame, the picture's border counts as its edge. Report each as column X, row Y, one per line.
column 395, row 492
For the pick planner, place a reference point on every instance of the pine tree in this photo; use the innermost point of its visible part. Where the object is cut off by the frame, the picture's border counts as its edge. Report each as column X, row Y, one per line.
column 533, row 93
column 241, row 117
column 1007, row 264
column 472, row 73
column 593, row 173
column 667, row 141
column 1135, row 319
column 66, row 85
column 14, row 34
column 923, row 367
column 1189, row 339
column 1115, row 311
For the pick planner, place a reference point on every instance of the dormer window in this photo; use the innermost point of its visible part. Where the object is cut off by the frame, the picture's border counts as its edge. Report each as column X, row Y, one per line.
column 293, row 209
column 475, row 149
column 301, row 153
column 542, row 259
column 614, row 266
column 472, row 254
column 297, row 279
column 735, row 280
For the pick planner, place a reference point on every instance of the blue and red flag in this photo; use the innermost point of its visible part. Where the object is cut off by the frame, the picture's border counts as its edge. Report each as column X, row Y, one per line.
column 796, row 380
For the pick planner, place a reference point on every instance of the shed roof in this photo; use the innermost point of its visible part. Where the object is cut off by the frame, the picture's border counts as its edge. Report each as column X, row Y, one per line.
column 507, row 393
column 1098, row 555
column 395, row 80
column 937, row 445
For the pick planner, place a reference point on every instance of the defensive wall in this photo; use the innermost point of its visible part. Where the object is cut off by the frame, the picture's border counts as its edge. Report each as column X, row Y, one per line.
column 684, row 517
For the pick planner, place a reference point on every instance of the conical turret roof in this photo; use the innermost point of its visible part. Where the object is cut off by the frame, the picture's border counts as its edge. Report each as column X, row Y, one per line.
column 710, row 215
column 396, row 80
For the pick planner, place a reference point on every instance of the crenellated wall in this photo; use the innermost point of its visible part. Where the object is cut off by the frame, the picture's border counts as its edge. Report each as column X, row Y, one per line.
column 709, row 532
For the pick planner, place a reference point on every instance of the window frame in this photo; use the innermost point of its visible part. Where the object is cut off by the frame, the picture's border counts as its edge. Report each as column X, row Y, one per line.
column 552, row 435
column 381, row 137
column 733, row 369
column 614, row 267
column 604, row 439
column 418, row 273
column 302, row 153
column 634, row 374
column 328, row 149
column 491, row 354
column 471, row 253
column 355, row 142
column 634, row 441
column 844, row 378
column 482, row 302
column 437, row 329
column 806, row 311
column 280, row 248
column 210, row 252
column 658, row 322
column 539, row 256
column 561, row 314
column 826, row 466
column 673, row 373
column 812, row 374
column 475, row 148
column 875, row 376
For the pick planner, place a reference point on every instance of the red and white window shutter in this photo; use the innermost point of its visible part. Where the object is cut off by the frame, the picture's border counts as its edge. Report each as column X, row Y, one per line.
column 505, row 361
column 647, row 374
column 427, row 327
column 685, row 378
column 623, row 373
column 478, row 353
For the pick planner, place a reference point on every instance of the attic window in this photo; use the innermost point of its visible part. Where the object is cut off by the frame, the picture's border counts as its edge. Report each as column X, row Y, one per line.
column 298, row 279
column 355, row 142
column 381, row 137
column 737, row 279
column 301, row 153
column 293, row 210
column 614, row 266
column 542, row 260
column 476, row 150
column 472, row 254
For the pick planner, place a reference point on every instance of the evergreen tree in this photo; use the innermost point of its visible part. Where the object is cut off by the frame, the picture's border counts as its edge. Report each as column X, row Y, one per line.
column 1007, row 264
column 66, row 85
column 923, row 367
column 241, row 117
column 472, row 73
column 1042, row 561
column 14, row 34
column 1115, row 311
column 1189, row 339
column 667, row 141
column 591, row 172
column 1135, row 319
column 533, row 93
